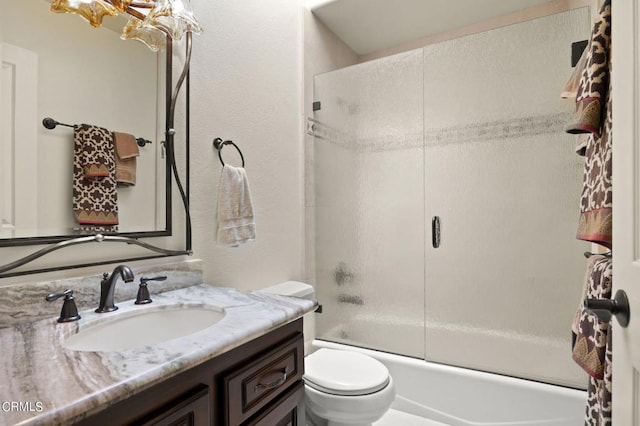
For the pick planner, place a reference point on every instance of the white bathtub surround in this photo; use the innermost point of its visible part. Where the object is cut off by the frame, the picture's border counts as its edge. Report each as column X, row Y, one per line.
column 34, row 366
column 461, row 397
column 395, row 418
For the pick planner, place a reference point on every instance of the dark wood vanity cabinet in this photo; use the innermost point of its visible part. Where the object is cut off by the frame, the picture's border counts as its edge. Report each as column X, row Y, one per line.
column 256, row 384
column 250, row 387
column 192, row 409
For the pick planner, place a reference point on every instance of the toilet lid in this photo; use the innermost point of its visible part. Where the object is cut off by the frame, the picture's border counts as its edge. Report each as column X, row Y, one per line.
column 344, row 372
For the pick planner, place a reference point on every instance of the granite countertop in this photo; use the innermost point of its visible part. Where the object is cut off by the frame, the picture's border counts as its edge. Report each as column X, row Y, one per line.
column 57, row 386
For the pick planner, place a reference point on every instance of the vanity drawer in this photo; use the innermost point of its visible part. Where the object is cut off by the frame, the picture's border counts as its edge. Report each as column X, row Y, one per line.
column 248, row 389
column 284, row 411
column 192, row 409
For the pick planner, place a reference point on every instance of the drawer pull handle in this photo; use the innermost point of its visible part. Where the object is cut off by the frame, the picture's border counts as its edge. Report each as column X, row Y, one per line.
column 274, row 384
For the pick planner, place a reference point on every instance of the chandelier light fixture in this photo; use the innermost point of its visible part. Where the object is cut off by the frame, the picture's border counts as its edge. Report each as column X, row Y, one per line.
column 150, row 22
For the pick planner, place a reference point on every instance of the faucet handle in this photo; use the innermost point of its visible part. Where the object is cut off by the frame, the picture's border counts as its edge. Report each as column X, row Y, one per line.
column 143, row 296
column 69, row 310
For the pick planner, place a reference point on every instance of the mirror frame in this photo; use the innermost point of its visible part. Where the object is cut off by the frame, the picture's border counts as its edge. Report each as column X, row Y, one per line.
column 65, row 240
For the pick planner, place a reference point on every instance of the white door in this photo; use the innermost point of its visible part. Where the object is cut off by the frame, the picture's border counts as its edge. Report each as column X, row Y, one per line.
column 18, row 141
column 626, row 212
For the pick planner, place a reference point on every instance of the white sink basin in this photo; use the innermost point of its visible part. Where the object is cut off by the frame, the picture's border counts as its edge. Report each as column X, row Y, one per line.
column 126, row 330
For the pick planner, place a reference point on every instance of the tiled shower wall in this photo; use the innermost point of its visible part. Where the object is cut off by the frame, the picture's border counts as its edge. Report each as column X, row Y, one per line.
column 470, row 130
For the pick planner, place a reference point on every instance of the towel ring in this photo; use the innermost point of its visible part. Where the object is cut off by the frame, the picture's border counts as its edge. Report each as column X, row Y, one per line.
column 218, row 144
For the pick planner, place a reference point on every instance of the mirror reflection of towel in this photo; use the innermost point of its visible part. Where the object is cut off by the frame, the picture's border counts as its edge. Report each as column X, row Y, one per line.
column 95, row 198
column 126, row 151
column 236, row 224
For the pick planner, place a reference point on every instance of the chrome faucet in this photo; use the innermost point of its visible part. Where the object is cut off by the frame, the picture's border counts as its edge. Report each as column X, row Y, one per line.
column 108, row 286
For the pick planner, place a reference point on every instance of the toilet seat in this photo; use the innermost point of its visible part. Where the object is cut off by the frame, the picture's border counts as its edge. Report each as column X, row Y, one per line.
column 345, row 373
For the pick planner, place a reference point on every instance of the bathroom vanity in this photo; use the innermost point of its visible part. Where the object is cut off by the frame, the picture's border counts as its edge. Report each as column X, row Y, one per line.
column 246, row 369
column 258, row 383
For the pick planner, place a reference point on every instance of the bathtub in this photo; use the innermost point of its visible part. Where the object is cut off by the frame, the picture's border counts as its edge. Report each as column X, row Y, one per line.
column 461, row 397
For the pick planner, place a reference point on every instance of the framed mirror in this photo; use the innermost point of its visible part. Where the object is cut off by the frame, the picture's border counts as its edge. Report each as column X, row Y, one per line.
column 57, row 66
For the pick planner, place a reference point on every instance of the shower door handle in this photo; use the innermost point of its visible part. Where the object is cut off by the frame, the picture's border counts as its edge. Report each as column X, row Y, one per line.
column 435, row 231
column 604, row 309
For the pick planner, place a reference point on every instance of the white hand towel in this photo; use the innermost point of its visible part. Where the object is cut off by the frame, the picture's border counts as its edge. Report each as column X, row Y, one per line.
column 236, row 224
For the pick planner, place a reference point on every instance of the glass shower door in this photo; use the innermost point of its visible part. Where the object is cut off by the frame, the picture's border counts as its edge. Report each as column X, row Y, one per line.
column 504, row 178
column 369, row 204
column 468, row 133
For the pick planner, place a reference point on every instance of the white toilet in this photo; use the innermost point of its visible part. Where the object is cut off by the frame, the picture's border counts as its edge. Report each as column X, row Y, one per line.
column 346, row 388
column 342, row 388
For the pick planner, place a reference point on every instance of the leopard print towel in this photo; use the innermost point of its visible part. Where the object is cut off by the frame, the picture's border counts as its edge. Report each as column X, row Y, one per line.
column 598, row 412
column 591, row 334
column 594, row 117
column 95, row 198
column 592, row 347
column 594, row 82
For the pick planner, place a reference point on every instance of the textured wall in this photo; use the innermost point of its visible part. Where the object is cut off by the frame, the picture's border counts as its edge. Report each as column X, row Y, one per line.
column 246, row 85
